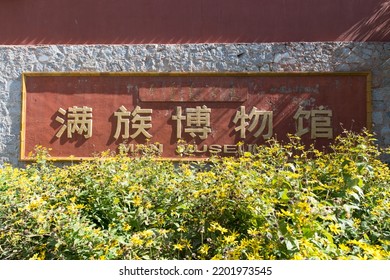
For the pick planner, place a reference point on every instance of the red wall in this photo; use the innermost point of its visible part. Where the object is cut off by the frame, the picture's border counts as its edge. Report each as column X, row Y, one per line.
column 192, row 21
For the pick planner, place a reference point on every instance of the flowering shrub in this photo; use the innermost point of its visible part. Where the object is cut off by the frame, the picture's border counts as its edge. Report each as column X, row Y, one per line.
column 284, row 202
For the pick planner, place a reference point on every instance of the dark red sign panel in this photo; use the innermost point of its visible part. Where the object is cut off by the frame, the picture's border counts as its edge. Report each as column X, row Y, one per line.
column 80, row 114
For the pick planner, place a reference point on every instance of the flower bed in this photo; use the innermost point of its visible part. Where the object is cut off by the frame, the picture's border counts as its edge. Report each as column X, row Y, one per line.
column 284, row 202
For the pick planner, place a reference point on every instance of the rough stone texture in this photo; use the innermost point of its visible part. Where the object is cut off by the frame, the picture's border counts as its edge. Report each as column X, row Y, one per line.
column 272, row 57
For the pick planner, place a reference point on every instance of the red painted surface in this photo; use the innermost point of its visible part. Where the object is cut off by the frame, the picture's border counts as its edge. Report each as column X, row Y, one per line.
column 192, row 21
column 281, row 93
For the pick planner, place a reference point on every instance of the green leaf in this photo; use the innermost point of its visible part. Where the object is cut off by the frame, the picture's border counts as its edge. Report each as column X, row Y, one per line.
column 359, row 190
column 283, row 195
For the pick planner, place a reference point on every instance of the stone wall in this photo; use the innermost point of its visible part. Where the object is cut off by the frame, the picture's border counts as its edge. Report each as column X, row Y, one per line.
column 267, row 57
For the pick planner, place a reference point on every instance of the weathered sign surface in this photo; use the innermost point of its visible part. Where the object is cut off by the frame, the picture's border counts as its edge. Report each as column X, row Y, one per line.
column 80, row 114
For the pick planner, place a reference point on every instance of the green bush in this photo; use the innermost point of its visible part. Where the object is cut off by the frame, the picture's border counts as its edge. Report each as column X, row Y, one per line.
column 284, row 202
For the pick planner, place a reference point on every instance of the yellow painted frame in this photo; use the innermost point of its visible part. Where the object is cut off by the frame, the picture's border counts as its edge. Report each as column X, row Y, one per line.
column 24, row 157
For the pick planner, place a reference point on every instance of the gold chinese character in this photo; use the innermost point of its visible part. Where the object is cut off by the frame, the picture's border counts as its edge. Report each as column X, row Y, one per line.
column 77, row 120
column 197, row 121
column 123, row 119
column 299, row 117
column 242, row 118
column 141, row 123
column 61, row 121
column 267, row 120
column 321, row 126
column 178, row 118
column 252, row 120
column 320, row 123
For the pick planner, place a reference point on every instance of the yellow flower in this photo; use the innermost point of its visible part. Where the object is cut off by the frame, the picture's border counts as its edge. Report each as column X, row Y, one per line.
column 305, row 207
column 149, row 243
column 230, row 238
column 148, row 205
column 335, row 228
column 40, row 219
column 204, row 249
column 298, row 257
column 217, row 257
column 136, row 240
column 181, row 229
column 40, row 256
column 186, row 243
column 126, row 227
column 344, row 248
column 287, row 213
column 137, row 201
column 214, row 226
column 116, row 178
column 247, row 154
column 147, row 233
column 34, row 204
column 178, row 247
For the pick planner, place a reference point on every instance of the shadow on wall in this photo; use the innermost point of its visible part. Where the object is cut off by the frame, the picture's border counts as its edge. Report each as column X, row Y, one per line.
column 378, row 25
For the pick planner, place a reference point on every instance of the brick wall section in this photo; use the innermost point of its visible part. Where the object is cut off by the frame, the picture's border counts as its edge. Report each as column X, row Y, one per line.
column 266, row 57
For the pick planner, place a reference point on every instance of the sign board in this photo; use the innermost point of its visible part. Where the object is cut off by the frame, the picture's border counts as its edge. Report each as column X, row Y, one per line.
column 78, row 115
